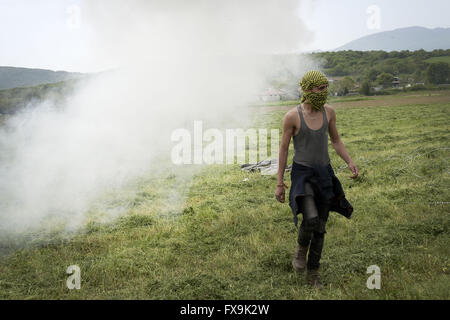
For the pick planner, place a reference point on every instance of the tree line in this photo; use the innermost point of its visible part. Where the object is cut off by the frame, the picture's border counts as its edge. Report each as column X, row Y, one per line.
column 380, row 68
column 13, row 100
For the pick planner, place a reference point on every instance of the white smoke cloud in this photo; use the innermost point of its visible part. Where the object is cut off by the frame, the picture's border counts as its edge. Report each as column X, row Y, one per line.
column 175, row 62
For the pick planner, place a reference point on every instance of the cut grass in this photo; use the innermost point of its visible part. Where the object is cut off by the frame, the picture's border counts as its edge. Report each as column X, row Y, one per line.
column 296, row 102
column 232, row 240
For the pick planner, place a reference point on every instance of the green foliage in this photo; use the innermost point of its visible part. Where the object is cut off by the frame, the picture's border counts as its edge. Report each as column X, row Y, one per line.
column 438, row 73
column 370, row 64
column 365, row 88
column 13, row 100
column 372, row 74
column 342, row 87
column 385, row 79
column 346, row 85
column 11, row 77
column 439, row 59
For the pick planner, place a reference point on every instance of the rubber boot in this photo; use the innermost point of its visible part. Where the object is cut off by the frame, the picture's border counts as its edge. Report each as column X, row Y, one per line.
column 299, row 261
column 314, row 279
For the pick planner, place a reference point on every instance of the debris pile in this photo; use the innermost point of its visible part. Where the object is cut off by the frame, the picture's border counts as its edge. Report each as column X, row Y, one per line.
column 266, row 167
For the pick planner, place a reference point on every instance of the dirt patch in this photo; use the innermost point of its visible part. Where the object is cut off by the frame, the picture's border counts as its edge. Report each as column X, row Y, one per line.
column 395, row 100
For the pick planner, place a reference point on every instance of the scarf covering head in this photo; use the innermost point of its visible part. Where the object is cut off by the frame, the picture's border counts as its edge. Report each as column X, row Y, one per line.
column 309, row 81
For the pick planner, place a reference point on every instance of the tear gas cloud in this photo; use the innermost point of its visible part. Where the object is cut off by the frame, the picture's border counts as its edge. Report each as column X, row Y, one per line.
column 173, row 62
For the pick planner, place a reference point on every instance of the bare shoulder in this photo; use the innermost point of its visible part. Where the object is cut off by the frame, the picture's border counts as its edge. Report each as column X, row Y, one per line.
column 291, row 116
column 329, row 109
column 290, row 122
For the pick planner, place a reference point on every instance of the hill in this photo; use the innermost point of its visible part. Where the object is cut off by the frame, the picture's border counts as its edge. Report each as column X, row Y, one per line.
column 410, row 66
column 411, row 38
column 15, row 99
column 12, row 77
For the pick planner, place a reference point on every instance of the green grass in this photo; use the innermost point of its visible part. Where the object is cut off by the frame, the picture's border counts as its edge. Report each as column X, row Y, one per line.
column 277, row 103
column 438, row 59
column 350, row 98
column 232, row 240
column 296, row 102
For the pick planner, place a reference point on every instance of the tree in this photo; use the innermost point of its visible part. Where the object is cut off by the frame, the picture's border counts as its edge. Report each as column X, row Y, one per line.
column 385, row 79
column 345, row 85
column 332, row 89
column 339, row 70
column 438, row 72
column 365, row 88
column 402, row 67
column 373, row 74
column 418, row 76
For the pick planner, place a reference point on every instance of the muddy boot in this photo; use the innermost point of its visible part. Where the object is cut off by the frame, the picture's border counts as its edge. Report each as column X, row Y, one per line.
column 299, row 261
column 313, row 279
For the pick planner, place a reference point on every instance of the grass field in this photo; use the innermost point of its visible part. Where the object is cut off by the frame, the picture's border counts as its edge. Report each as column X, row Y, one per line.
column 232, row 240
column 438, row 59
column 331, row 100
column 400, row 97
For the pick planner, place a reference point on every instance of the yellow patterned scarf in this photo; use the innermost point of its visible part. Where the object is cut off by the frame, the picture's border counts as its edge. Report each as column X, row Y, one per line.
column 309, row 81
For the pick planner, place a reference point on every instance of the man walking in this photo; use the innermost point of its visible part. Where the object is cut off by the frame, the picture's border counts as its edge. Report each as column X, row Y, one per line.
column 315, row 189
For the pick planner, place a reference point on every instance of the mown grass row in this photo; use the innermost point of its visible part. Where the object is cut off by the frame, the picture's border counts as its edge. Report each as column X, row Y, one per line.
column 232, row 240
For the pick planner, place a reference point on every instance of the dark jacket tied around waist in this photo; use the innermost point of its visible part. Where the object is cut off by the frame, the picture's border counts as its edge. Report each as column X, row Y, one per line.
column 329, row 186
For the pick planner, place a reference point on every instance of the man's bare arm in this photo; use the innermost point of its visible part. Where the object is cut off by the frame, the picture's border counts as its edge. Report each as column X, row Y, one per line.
column 338, row 145
column 288, row 132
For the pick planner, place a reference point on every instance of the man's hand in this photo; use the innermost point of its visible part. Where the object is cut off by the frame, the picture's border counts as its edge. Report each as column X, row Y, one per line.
column 353, row 169
column 280, row 193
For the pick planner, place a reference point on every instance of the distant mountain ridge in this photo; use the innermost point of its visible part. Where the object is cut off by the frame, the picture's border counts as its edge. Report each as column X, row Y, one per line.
column 411, row 38
column 12, row 77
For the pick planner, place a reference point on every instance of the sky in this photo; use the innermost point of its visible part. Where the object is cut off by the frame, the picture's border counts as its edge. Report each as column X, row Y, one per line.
column 52, row 34
column 335, row 23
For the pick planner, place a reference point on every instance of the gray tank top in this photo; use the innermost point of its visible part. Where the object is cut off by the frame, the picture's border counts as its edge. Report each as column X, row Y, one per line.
column 311, row 146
